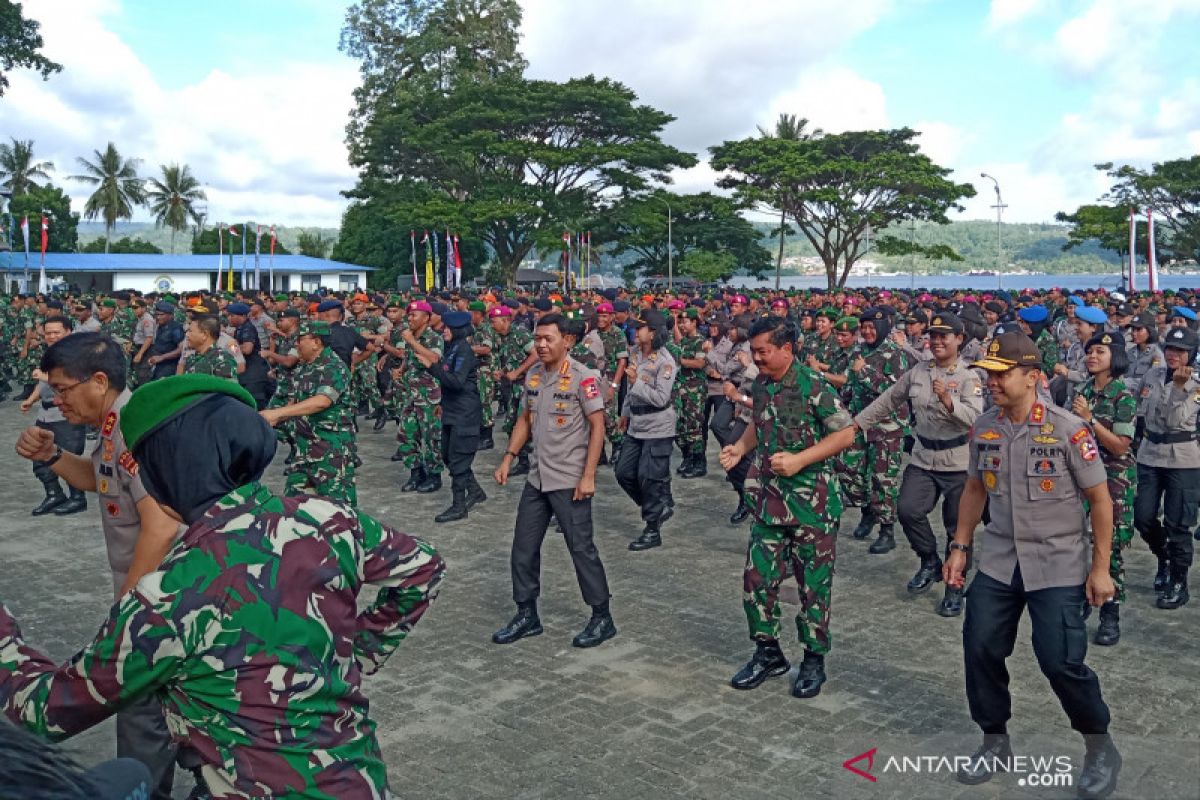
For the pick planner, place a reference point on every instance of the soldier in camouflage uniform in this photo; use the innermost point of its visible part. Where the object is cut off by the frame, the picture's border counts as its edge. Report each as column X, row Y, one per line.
column 691, row 388
column 514, row 345
column 250, row 631
column 1104, row 402
column 208, row 359
column 7, row 318
column 323, row 420
column 793, row 492
column 616, row 355
column 874, row 462
column 365, row 381
column 483, row 344
column 419, row 439
column 821, row 346
column 284, row 358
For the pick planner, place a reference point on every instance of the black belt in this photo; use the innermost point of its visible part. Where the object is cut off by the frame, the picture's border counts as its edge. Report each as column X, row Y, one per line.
column 1171, row 438
column 943, row 444
column 638, row 410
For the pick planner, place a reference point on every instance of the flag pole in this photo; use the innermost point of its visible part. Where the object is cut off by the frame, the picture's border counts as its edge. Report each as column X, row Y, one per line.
column 245, row 236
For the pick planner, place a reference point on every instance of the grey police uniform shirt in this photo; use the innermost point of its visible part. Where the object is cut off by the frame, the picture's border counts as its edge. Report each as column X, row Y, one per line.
column 656, row 377
column 120, row 489
column 1034, row 472
column 559, row 404
column 144, row 328
column 717, row 358
column 1169, row 409
column 918, row 348
column 90, row 325
column 934, row 422
column 1141, row 361
column 48, row 410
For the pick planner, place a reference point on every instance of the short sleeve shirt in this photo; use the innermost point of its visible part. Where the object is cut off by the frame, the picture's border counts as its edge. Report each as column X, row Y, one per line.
column 120, row 490
column 559, row 404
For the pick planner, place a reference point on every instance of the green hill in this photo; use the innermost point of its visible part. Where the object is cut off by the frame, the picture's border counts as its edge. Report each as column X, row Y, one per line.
column 161, row 237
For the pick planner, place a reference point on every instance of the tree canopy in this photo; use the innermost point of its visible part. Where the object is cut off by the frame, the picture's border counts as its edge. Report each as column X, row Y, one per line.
column 1171, row 190
column 118, row 187
column 125, row 244
column 20, row 45
column 63, row 236
column 19, row 170
column 840, row 188
column 172, row 199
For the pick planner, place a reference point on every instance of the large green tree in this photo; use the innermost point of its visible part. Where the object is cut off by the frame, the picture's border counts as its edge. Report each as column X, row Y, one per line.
column 20, row 43
column 1107, row 226
column 173, row 198
column 313, row 243
column 702, row 222
column 513, row 162
column 794, row 128
column 1171, row 190
column 19, row 170
column 118, row 188
column 839, row 188
column 205, row 242
column 125, row 244
column 63, row 236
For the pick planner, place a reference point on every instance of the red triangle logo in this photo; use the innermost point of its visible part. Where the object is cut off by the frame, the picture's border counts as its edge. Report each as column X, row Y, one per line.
column 869, row 757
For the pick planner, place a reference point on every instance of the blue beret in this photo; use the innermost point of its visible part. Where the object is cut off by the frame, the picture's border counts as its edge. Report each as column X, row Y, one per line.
column 439, row 308
column 1076, row 299
column 1183, row 311
column 1034, row 314
column 457, row 319
column 237, row 308
column 620, row 305
column 329, row 305
column 1092, row 314
column 542, row 304
column 164, row 308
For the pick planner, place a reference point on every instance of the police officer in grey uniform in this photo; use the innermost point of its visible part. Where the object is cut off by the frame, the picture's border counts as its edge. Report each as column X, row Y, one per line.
column 1144, row 354
column 1034, row 464
column 87, row 373
column 1168, row 464
column 562, row 410
column 946, row 397
column 648, row 420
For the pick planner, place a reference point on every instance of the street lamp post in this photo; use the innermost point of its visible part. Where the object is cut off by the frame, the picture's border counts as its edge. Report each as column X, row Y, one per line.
column 670, row 262
column 1000, row 206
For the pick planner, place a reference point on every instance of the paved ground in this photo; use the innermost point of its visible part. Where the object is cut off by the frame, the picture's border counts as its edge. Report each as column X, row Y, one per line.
column 650, row 714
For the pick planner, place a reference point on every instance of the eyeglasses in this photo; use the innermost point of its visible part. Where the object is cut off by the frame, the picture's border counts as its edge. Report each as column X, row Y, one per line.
column 61, row 393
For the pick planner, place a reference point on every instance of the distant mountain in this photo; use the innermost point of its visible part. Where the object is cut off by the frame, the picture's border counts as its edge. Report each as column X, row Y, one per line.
column 89, row 231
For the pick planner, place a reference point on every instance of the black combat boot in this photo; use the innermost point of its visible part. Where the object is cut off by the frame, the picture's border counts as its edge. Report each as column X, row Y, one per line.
column 1162, row 578
column 1109, row 632
column 929, row 573
column 54, row 498
column 699, row 465
column 415, row 479
column 525, row 623
column 810, row 676
column 1101, row 767
column 398, row 455
column 458, row 506
column 475, row 493
column 685, row 465
column 952, row 603
column 740, row 513
column 381, row 421
column 616, row 454
column 291, row 456
column 599, row 629
column 74, row 504
column 431, row 484
column 865, row 525
column 520, row 466
column 885, row 542
column 651, row 537
column 1175, row 595
column 485, row 440
column 995, row 754
column 768, row 661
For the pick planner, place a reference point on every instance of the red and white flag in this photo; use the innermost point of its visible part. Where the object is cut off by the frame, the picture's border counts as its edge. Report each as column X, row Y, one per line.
column 233, row 231
column 272, row 240
column 457, row 263
column 43, row 283
column 25, row 232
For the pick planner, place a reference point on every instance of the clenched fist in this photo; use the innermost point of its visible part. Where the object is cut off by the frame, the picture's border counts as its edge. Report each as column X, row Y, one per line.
column 36, row 444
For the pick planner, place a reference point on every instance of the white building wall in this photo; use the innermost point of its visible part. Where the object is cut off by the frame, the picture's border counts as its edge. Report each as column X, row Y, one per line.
column 162, row 282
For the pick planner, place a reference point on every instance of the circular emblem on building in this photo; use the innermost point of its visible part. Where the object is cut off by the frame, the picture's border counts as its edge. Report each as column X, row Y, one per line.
column 164, row 283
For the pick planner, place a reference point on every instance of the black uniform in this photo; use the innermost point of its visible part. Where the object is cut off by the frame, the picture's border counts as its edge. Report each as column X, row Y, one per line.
column 462, row 410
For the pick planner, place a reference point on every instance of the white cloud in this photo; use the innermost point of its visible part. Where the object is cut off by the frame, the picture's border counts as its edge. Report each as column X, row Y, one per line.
column 1010, row 12
column 835, row 99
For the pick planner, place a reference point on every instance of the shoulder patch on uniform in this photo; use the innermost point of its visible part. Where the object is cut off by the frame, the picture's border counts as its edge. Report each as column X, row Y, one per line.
column 1079, row 435
column 110, row 424
column 590, row 390
column 1087, row 449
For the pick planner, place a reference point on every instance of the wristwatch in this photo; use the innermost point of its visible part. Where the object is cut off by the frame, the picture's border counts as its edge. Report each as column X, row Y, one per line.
column 50, row 462
column 966, row 548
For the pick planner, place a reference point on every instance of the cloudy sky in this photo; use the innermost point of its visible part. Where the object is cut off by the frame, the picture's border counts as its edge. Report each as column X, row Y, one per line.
column 254, row 94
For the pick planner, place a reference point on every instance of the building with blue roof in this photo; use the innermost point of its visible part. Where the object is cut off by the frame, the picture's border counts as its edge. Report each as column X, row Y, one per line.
column 106, row 272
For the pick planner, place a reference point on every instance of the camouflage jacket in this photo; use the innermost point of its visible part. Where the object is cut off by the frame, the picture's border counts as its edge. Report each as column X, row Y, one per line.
column 327, row 375
column 584, row 355
column 214, row 361
column 513, row 348
column 823, row 349
column 484, row 335
column 1115, row 408
column 418, row 381
column 689, row 379
column 250, row 635
column 1049, row 350
column 791, row 415
column 885, row 364
column 615, row 348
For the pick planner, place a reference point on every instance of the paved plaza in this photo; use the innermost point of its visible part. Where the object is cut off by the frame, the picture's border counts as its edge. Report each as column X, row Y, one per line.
column 650, row 714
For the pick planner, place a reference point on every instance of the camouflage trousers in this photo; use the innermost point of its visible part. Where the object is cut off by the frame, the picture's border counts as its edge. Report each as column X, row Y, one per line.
column 612, row 415
column 324, row 464
column 513, row 391
column 805, row 551
column 1122, row 486
column 869, row 472
column 689, row 424
column 364, row 384
column 419, row 439
column 487, row 392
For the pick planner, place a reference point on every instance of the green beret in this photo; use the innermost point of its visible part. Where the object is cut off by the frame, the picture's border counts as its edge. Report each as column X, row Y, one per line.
column 692, row 312
column 314, row 327
column 281, row 298
column 477, row 305
column 162, row 400
column 829, row 313
column 110, row 303
column 847, row 324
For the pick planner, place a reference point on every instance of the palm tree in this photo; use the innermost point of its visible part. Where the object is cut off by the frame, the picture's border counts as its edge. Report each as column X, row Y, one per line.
column 791, row 128
column 118, row 188
column 18, row 169
column 173, row 198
